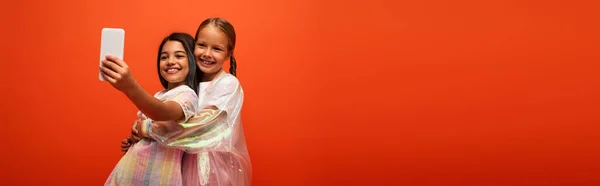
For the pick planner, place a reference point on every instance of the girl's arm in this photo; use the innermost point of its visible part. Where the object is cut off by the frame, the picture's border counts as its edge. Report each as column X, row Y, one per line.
column 117, row 73
column 217, row 120
column 152, row 107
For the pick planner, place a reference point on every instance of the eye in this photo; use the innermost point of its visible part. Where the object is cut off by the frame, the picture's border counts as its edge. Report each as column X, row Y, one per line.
column 162, row 58
column 218, row 49
column 179, row 56
column 201, row 45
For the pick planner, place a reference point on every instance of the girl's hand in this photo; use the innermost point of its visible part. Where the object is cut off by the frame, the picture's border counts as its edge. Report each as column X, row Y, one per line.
column 117, row 73
column 134, row 138
column 135, row 131
column 125, row 144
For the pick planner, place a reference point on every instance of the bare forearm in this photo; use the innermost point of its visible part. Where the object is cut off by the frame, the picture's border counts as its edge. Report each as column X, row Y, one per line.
column 152, row 107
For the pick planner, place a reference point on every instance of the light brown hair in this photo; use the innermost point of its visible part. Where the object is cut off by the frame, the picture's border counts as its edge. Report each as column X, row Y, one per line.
column 229, row 31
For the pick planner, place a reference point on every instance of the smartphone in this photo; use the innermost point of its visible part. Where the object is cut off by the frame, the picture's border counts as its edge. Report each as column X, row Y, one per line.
column 112, row 42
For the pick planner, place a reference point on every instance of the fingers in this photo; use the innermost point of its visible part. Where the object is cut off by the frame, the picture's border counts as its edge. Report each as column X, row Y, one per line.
column 116, row 60
column 125, row 145
column 135, row 132
column 108, row 78
column 109, row 75
column 134, row 138
column 111, row 65
column 134, row 127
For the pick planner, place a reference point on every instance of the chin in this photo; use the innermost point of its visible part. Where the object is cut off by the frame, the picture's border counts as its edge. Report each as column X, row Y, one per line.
column 209, row 70
column 174, row 79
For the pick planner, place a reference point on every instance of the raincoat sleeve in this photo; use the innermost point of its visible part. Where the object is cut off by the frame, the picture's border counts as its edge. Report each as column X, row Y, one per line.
column 212, row 128
column 213, row 138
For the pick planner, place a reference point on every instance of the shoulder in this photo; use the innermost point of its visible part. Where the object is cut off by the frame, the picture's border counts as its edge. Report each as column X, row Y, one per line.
column 227, row 82
column 228, row 79
column 160, row 93
column 225, row 85
column 182, row 88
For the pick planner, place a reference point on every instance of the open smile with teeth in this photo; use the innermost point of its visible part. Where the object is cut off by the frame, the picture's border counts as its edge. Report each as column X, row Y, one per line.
column 204, row 62
column 172, row 70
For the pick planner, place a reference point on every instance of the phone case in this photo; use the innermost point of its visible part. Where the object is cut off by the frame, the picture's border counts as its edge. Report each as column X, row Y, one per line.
column 112, row 42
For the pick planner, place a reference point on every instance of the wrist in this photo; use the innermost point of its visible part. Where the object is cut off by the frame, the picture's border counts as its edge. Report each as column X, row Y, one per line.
column 145, row 129
column 132, row 91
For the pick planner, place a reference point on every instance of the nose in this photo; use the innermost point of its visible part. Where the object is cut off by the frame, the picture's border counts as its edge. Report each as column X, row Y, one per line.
column 171, row 60
column 206, row 54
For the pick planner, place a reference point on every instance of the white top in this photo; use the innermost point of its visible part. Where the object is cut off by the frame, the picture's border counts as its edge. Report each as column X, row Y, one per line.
column 202, row 90
column 183, row 95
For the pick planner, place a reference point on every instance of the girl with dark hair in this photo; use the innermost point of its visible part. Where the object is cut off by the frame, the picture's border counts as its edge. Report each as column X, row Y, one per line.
column 149, row 162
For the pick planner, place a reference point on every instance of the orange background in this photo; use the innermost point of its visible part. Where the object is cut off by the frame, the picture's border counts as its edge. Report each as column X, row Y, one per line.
column 374, row 92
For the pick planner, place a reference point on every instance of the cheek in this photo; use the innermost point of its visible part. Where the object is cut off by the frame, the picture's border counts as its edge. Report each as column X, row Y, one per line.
column 185, row 73
column 221, row 57
column 184, row 63
column 197, row 52
column 162, row 63
column 185, row 66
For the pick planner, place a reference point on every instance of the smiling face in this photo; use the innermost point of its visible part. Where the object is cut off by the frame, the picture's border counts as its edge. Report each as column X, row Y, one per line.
column 173, row 64
column 211, row 51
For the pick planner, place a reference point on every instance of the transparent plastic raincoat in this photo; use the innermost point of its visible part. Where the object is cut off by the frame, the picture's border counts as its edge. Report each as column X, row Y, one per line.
column 214, row 142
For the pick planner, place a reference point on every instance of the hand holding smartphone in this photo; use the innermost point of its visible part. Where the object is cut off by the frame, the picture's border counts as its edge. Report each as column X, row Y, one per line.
column 112, row 42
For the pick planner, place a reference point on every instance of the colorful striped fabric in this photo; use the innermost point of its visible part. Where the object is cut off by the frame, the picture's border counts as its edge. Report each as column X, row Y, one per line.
column 150, row 163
